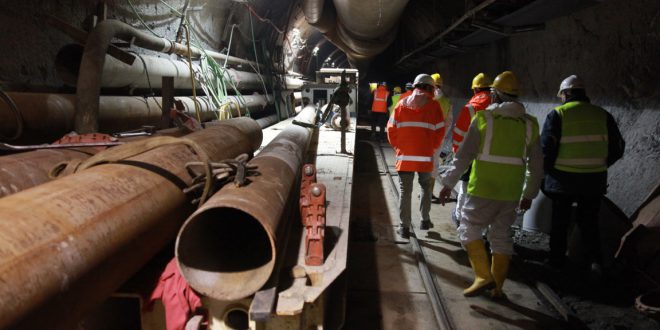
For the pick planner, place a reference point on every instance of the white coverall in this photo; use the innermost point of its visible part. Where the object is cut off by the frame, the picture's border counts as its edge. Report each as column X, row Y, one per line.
column 480, row 213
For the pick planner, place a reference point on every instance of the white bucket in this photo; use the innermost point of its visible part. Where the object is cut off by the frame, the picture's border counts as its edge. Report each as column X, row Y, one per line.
column 539, row 216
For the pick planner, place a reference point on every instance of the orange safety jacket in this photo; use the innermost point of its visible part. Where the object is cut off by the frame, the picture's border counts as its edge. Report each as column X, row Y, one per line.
column 381, row 95
column 415, row 134
column 478, row 102
column 405, row 94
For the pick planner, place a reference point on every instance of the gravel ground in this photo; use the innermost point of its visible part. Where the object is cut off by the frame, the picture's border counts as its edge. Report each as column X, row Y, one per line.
column 605, row 302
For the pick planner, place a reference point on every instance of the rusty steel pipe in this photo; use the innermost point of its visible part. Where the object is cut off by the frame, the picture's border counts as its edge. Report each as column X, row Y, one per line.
column 227, row 249
column 28, row 169
column 56, row 233
column 24, row 170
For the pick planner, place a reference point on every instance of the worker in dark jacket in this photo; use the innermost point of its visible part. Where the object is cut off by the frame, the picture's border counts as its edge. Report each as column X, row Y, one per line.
column 580, row 141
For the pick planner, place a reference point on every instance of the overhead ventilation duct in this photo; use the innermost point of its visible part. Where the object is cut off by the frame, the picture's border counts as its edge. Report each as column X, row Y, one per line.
column 361, row 29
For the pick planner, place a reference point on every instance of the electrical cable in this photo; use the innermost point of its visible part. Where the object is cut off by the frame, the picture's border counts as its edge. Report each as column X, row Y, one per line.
column 139, row 17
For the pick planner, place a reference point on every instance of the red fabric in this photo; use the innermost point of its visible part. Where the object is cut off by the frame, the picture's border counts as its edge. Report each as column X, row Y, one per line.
column 380, row 99
column 405, row 94
column 179, row 300
column 415, row 141
column 479, row 102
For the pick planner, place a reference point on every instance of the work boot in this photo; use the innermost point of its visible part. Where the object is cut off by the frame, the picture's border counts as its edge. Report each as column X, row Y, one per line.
column 483, row 280
column 499, row 270
column 403, row 234
column 425, row 225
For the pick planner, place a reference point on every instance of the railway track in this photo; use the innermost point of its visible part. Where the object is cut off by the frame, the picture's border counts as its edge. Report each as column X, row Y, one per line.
column 443, row 316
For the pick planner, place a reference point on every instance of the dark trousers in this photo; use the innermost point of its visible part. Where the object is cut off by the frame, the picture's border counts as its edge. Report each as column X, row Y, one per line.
column 586, row 220
column 379, row 119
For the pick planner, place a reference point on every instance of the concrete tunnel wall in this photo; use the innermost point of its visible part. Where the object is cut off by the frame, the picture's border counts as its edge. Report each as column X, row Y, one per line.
column 615, row 47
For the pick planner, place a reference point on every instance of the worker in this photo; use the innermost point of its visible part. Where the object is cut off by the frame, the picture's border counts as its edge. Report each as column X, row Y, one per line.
column 445, row 105
column 396, row 96
column 381, row 103
column 580, row 141
column 409, row 90
column 479, row 101
column 415, row 130
column 503, row 146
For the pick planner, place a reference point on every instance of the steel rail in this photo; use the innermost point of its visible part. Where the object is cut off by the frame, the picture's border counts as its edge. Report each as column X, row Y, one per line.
column 440, row 310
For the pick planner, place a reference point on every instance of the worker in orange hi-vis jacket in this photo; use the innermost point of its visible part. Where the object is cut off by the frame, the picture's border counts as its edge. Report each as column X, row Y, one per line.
column 480, row 101
column 415, row 130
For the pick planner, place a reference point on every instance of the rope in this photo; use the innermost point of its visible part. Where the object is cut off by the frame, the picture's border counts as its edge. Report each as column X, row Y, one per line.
column 124, row 151
column 17, row 113
column 229, row 170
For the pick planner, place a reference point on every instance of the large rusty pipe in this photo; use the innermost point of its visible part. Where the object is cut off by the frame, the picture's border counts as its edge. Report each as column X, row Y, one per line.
column 21, row 171
column 227, row 249
column 146, row 72
column 28, row 169
column 53, row 234
column 93, row 58
column 52, row 114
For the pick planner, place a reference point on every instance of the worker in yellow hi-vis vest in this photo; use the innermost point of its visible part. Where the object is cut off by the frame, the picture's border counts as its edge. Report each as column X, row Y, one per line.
column 580, row 141
column 502, row 144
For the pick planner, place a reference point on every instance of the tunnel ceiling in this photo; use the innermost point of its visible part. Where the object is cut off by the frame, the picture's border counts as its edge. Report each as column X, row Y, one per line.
column 425, row 31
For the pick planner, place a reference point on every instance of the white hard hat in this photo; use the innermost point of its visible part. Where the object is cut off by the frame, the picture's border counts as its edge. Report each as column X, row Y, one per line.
column 423, row 78
column 572, row 82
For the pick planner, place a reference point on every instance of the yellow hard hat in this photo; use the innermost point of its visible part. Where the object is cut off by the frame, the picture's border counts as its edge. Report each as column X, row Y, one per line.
column 507, row 82
column 372, row 86
column 437, row 78
column 397, row 89
column 481, row 81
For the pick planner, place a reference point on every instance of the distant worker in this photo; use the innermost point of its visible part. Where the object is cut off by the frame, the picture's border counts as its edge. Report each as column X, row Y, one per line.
column 580, row 141
column 415, row 130
column 409, row 90
column 479, row 101
column 445, row 105
column 396, row 96
column 379, row 107
column 502, row 145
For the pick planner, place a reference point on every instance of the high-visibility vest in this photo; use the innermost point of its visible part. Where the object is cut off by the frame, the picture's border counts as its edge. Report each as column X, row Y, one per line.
column 395, row 100
column 445, row 105
column 583, row 143
column 380, row 99
column 415, row 134
column 498, row 172
column 480, row 101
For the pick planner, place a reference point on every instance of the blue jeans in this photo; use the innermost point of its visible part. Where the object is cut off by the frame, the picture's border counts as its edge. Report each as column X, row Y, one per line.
column 405, row 195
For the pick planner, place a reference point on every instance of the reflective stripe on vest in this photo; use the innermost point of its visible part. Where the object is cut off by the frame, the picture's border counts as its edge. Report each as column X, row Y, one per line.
column 498, row 172
column 471, row 110
column 582, row 162
column 485, row 153
column 418, row 124
column 583, row 138
column 459, row 131
column 415, row 158
column 583, row 145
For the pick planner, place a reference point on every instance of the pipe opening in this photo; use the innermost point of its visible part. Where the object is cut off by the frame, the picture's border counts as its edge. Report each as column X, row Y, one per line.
column 225, row 253
column 224, row 240
column 237, row 318
column 67, row 63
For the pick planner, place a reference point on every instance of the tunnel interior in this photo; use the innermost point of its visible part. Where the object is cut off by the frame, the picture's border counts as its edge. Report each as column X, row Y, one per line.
column 251, row 57
column 613, row 45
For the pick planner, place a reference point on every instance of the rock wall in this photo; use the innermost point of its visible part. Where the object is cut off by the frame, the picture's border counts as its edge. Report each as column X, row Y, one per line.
column 615, row 47
column 30, row 45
